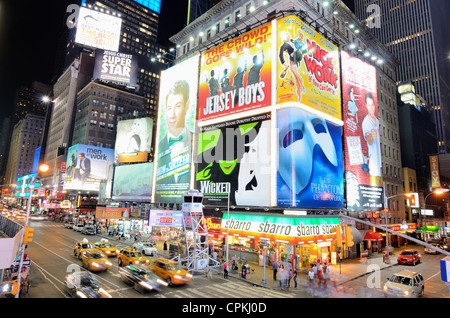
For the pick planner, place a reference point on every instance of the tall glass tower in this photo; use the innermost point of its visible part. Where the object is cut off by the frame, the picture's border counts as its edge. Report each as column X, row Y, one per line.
column 412, row 31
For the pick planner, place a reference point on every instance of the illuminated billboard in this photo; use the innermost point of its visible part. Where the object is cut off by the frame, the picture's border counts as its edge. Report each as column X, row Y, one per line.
column 174, row 133
column 134, row 136
column 233, row 158
column 165, row 218
column 307, row 68
column 236, row 75
column 98, row 30
column 116, row 67
column 87, row 166
column 363, row 166
column 133, row 182
column 310, row 163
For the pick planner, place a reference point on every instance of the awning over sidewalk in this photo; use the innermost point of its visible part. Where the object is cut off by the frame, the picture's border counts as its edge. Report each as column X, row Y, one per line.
column 372, row 236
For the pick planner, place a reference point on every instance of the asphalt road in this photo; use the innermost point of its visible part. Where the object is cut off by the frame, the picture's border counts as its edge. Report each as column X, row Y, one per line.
column 52, row 258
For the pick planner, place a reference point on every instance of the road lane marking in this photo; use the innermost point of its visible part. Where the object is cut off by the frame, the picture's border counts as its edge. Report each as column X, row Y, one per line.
column 42, row 270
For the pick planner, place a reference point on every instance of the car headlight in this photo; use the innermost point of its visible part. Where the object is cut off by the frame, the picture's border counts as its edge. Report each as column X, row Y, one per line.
column 146, row 285
column 5, row 288
column 81, row 295
column 406, row 293
column 159, row 281
column 189, row 275
column 104, row 293
column 177, row 277
column 108, row 263
column 95, row 264
column 385, row 288
column 108, row 252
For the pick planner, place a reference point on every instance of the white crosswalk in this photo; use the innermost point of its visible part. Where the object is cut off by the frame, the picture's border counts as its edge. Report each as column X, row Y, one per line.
column 226, row 290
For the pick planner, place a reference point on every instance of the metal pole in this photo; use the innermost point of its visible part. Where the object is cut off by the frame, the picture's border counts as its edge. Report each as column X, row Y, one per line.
column 228, row 230
column 22, row 252
column 264, row 281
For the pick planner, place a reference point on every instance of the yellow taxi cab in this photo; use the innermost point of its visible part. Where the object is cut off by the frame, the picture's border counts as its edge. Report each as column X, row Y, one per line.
column 107, row 248
column 171, row 271
column 80, row 246
column 131, row 256
column 94, row 260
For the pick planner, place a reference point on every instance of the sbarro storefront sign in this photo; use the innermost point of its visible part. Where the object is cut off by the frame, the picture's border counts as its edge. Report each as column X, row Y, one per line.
column 291, row 230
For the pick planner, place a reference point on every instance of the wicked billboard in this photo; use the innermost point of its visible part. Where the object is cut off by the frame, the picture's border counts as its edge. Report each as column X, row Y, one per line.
column 233, row 158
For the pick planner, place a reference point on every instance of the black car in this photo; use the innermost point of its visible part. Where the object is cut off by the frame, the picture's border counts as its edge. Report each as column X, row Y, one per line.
column 141, row 277
column 83, row 285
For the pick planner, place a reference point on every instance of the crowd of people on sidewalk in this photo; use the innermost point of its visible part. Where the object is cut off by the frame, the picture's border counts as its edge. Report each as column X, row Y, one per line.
column 285, row 275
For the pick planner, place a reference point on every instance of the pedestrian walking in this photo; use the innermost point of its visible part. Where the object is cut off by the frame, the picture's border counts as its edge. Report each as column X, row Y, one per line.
column 289, row 278
column 320, row 274
column 327, row 274
column 294, row 275
column 225, row 270
column 274, row 268
column 311, row 276
column 280, row 276
column 165, row 245
column 314, row 267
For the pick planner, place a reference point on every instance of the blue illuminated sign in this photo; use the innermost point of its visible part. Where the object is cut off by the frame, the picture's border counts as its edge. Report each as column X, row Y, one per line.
column 154, row 5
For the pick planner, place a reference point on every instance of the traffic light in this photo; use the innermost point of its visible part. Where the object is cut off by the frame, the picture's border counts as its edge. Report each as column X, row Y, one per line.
column 27, row 238
column 338, row 232
column 348, row 236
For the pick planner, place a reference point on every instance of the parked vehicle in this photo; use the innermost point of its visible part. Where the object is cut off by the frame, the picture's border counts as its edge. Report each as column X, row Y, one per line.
column 405, row 284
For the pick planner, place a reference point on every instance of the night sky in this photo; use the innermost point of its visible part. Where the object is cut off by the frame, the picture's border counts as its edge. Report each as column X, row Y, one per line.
column 29, row 33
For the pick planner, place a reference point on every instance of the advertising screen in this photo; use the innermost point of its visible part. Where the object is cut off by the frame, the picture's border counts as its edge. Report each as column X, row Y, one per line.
column 87, row 166
column 98, row 30
column 116, row 67
column 236, row 75
column 165, row 218
column 363, row 167
column 134, row 135
column 233, row 158
column 133, row 182
column 175, row 126
column 308, row 68
column 310, row 168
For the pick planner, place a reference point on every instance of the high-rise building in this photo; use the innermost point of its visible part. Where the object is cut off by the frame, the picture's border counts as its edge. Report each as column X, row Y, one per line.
column 26, row 137
column 63, row 105
column 414, row 31
column 29, row 101
column 333, row 20
column 99, row 109
column 138, row 37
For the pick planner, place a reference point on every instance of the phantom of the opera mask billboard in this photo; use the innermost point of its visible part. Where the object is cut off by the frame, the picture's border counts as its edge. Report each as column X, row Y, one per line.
column 363, row 166
column 310, row 163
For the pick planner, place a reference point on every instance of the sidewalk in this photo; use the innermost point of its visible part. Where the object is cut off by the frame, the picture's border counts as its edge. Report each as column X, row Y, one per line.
column 342, row 273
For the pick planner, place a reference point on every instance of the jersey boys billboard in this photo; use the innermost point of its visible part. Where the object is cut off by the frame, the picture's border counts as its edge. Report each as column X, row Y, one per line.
column 361, row 135
column 174, row 133
column 236, row 76
column 308, row 68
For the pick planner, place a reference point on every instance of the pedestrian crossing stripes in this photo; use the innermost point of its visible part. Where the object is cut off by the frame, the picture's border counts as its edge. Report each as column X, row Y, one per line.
column 226, row 290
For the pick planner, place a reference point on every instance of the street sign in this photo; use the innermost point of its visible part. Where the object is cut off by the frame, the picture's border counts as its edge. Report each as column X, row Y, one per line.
column 445, row 269
column 26, row 262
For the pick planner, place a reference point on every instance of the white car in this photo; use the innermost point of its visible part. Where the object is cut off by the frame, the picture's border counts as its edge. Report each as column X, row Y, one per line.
column 429, row 250
column 146, row 248
column 78, row 227
column 405, row 283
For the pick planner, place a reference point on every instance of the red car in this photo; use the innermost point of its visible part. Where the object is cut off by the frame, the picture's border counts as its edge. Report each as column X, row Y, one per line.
column 409, row 257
